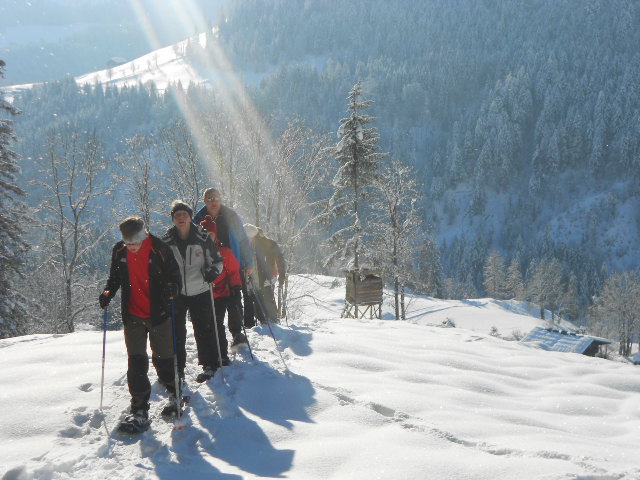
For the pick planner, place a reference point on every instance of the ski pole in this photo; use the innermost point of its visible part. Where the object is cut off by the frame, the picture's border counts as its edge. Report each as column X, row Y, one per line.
column 176, row 375
column 215, row 326
column 268, row 319
column 104, row 351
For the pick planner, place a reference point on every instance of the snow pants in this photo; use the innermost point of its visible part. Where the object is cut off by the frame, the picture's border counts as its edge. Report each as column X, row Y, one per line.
column 232, row 306
column 136, row 331
column 264, row 300
column 201, row 314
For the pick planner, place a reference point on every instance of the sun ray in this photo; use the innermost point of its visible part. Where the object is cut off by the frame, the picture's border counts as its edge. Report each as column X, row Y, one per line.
column 222, row 77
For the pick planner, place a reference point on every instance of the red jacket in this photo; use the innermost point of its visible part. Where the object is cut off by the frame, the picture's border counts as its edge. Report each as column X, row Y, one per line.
column 230, row 276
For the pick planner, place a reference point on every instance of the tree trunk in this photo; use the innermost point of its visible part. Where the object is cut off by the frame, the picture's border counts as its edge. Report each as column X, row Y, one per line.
column 68, row 308
column 396, row 296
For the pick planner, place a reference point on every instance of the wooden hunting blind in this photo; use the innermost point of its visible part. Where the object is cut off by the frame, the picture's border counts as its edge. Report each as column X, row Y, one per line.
column 363, row 289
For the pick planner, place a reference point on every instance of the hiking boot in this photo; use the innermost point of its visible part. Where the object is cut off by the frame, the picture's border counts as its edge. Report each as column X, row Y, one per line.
column 135, row 422
column 239, row 339
column 226, row 362
column 206, row 374
column 171, row 408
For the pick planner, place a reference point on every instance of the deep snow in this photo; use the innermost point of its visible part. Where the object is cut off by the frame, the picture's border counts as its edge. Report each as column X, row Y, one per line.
column 363, row 399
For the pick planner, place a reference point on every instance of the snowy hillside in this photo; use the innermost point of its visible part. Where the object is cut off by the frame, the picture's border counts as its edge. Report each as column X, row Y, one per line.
column 162, row 67
column 364, row 399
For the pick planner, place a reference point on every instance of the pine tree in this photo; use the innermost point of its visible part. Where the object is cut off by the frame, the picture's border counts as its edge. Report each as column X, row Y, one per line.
column 494, row 277
column 545, row 286
column 429, row 267
column 359, row 158
column 12, row 219
column 514, row 287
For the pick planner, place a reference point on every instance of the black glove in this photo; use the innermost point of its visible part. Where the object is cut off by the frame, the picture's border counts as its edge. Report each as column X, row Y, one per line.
column 104, row 299
column 210, row 275
column 171, row 291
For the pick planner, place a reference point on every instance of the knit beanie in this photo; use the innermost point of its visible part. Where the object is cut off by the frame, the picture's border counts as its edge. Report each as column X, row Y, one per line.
column 251, row 230
column 180, row 205
column 133, row 230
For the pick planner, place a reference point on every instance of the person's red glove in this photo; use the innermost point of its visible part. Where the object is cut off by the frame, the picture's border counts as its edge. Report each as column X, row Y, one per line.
column 209, row 224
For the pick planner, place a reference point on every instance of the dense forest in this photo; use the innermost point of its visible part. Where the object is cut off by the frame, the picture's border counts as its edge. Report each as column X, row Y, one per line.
column 522, row 117
column 519, row 120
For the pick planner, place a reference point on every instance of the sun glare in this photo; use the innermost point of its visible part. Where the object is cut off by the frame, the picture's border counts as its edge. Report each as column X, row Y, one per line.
column 220, row 74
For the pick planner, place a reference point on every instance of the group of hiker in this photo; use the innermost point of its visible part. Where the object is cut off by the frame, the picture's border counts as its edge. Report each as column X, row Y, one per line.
column 210, row 265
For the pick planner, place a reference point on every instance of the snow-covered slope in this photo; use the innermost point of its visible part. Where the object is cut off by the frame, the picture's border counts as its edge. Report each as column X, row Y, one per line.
column 361, row 399
column 162, row 67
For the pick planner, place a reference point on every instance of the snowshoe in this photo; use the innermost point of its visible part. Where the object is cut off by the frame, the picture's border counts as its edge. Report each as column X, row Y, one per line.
column 171, row 408
column 206, row 374
column 135, row 422
column 239, row 339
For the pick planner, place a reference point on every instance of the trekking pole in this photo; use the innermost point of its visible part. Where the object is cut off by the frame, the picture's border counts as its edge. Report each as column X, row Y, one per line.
column 284, row 310
column 176, row 375
column 245, row 333
column 265, row 314
column 104, row 351
column 215, row 326
column 280, row 299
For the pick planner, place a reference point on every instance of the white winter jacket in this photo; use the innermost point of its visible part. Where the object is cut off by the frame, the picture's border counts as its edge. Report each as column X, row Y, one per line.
column 202, row 260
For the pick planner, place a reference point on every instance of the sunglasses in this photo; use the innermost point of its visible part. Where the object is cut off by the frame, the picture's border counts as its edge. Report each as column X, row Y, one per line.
column 212, row 199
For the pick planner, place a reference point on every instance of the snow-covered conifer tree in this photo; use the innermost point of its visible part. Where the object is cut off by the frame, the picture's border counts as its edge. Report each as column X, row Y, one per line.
column 359, row 158
column 514, row 286
column 545, row 285
column 494, row 277
column 12, row 219
column 430, row 268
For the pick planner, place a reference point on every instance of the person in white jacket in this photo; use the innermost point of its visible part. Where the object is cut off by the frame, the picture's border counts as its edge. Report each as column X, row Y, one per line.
column 200, row 264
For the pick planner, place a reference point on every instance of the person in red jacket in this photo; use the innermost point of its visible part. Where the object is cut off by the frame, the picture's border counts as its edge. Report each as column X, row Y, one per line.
column 228, row 286
column 146, row 272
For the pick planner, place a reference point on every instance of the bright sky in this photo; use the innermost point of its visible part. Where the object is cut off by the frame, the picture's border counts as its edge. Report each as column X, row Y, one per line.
column 365, row 399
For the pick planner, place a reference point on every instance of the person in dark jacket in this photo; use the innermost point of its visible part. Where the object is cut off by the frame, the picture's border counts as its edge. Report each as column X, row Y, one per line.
column 200, row 264
column 144, row 268
column 270, row 267
column 229, row 234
